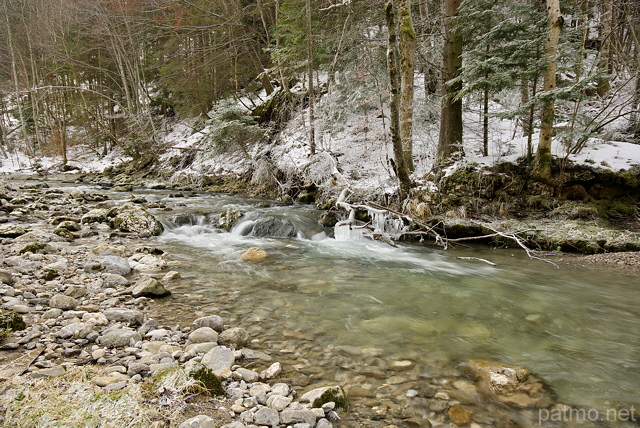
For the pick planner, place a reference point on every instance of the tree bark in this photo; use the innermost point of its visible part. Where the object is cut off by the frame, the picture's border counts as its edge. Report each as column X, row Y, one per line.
column 393, row 64
column 450, row 141
column 407, row 42
column 606, row 36
column 312, row 131
column 542, row 162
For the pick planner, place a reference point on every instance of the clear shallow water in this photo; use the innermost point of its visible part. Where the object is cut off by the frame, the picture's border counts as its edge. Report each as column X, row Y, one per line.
column 577, row 328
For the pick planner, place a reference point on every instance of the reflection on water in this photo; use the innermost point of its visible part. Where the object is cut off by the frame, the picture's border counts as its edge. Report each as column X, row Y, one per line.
column 576, row 328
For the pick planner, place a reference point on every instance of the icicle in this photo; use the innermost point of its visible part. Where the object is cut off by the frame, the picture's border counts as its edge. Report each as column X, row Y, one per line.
column 344, row 232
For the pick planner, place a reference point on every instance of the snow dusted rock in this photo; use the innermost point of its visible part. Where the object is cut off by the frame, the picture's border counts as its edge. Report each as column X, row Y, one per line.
column 108, row 264
column 149, row 287
column 253, row 254
column 60, row 301
column 266, row 416
column 219, row 360
column 119, row 338
column 203, row 335
column 235, row 336
column 213, row 321
column 131, row 316
column 200, row 421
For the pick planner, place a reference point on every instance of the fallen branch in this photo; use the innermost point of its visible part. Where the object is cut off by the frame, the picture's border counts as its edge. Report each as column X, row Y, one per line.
column 477, row 259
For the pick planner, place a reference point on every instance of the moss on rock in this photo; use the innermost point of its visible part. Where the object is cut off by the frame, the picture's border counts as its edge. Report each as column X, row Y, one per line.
column 209, row 381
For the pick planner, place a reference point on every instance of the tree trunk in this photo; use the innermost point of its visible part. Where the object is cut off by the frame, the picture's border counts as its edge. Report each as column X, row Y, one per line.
column 606, row 37
column 450, row 141
column 312, row 130
column 14, row 75
column 542, row 162
column 407, row 42
column 393, row 64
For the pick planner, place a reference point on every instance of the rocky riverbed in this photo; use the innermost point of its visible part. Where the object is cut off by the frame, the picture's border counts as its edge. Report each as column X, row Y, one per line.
column 79, row 269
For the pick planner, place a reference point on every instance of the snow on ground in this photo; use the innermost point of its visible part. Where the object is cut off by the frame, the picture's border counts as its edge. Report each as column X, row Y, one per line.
column 79, row 159
column 359, row 143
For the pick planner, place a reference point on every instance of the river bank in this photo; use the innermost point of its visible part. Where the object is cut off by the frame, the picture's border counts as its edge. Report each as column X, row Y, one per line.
column 404, row 383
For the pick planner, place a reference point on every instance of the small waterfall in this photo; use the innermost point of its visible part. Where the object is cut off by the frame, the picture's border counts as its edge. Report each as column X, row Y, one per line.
column 344, row 231
column 382, row 223
column 243, row 228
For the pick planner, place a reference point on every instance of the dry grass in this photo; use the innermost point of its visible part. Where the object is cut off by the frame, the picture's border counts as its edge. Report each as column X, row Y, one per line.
column 72, row 400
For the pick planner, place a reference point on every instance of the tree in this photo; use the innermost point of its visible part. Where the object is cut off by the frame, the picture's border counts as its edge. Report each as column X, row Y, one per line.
column 450, row 141
column 393, row 69
column 310, row 91
column 407, row 48
column 542, row 161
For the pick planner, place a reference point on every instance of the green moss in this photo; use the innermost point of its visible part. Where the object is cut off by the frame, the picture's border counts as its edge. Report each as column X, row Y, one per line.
column 11, row 321
column 209, row 381
column 35, row 247
column 335, row 395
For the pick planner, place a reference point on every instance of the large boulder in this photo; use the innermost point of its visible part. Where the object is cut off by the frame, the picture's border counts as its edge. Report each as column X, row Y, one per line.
column 508, row 384
column 137, row 221
column 272, row 227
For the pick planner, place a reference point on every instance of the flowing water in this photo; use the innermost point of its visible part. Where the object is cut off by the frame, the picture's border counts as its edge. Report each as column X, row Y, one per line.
column 576, row 328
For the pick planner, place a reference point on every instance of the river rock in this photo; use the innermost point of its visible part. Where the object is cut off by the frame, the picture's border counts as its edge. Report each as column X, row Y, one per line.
column 76, row 291
column 131, row 316
column 459, row 415
column 273, row 371
column 104, row 249
column 253, row 254
column 60, row 301
column 11, row 231
column 6, row 277
column 108, row 264
column 293, row 416
column 508, row 384
column 200, row 421
column 76, row 330
column 266, row 416
column 119, row 338
column 48, row 372
column 219, row 359
column 203, row 335
column 69, row 225
column 272, row 227
column 149, row 287
column 247, row 375
column 137, row 221
column 235, row 336
column 115, row 280
column 318, row 396
column 146, row 263
column 213, row 321
column 278, row 402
